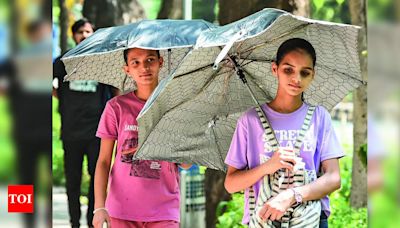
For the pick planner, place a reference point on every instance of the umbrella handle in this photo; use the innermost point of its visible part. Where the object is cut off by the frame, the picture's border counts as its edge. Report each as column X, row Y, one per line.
column 242, row 77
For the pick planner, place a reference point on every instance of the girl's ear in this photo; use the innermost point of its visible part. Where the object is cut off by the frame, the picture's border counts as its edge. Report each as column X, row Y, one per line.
column 161, row 61
column 274, row 69
column 126, row 69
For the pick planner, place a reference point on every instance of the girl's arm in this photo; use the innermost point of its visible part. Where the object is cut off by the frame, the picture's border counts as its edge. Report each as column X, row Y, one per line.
column 238, row 180
column 101, row 181
column 324, row 185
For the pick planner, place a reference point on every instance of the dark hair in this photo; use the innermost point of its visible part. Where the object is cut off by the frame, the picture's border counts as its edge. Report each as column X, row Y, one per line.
column 126, row 54
column 295, row 44
column 79, row 23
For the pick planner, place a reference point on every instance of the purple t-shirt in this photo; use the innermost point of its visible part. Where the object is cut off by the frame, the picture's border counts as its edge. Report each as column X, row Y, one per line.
column 320, row 142
column 142, row 191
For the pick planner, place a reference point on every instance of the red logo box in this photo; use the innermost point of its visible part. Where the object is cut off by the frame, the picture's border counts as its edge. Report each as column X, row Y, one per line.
column 20, row 198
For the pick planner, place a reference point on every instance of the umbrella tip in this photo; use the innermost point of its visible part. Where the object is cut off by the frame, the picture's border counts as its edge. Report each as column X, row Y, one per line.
column 215, row 66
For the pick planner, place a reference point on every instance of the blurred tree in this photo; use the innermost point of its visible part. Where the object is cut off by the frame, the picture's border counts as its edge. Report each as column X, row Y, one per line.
column 171, row 9
column 232, row 10
column 383, row 11
column 358, row 195
column 63, row 25
column 204, row 9
column 106, row 13
column 46, row 9
column 331, row 10
column 229, row 11
column 14, row 24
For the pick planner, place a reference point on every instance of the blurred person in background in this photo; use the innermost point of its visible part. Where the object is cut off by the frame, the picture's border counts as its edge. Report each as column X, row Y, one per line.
column 376, row 154
column 26, row 81
column 80, row 105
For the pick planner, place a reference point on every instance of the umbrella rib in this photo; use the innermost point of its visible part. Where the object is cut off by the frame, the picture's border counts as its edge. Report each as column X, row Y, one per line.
column 192, row 71
column 254, row 80
column 297, row 28
column 322, row 66
column 217, row 144
column 344, row 74
column 202, row 88
column 276, row 38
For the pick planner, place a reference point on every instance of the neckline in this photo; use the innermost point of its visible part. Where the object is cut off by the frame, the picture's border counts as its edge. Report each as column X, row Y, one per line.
column 270, row 110
column 137, row 98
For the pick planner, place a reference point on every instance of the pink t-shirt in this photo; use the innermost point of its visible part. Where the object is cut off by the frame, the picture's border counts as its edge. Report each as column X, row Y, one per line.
column 142, row 190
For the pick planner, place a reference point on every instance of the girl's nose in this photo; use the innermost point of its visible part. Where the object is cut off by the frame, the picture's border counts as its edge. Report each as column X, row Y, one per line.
column 147, row 66
column 297, row 78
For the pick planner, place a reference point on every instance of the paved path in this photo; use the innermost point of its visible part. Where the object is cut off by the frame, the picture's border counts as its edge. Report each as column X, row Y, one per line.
column 60, row 210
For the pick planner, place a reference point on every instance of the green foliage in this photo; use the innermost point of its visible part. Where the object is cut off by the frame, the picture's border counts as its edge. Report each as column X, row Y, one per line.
column 151, row 8
column 384, row 204
column 204, row 10
column 230, row 213
column 348, row 98
column 345, row 216
column 342, row 214
column 345, row 174
column 7, row 154
column 58, row 163
column 381, row 11
column 4, row 11
column 331, row 10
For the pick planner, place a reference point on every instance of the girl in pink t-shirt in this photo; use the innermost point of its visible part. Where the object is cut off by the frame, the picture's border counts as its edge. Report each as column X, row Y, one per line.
column 141, row 193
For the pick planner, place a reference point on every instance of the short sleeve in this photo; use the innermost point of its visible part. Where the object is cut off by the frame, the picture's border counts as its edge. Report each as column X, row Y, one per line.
column 236, row 156
column 328, row 143
column 59, row 69
column 108, row 125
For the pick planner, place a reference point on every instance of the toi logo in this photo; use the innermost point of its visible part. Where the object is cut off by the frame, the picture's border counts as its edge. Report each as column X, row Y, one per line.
column 20, row 198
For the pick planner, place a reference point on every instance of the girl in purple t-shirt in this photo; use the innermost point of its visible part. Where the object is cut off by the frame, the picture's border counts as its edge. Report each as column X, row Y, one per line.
column 319, row 151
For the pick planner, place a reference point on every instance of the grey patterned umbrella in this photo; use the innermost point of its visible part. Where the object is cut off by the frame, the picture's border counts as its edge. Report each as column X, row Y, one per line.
column 191, row 117
column 100, row 56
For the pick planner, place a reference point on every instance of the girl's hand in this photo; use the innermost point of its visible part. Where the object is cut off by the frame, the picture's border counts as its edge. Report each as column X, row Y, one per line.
column 101, row 217
column 282, row 158
column 275, row 207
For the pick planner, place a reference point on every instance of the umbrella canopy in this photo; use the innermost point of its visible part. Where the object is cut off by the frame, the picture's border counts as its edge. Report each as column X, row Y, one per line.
column 191, row 117
column 100, row 56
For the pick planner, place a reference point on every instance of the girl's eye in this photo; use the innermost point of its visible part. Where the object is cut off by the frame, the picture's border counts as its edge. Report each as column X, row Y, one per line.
column 305, row 73
column 150, row 60
column 288, row 70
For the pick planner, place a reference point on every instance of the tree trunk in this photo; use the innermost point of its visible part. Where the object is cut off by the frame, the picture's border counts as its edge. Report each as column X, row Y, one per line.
column 106, row 13
column 204, row 9
column 14, row 23
column 170, row 9
column 215, row 193
column 229, row 11
column 233, row 10
column 63, row 26
column 358, row 197
column 47, row 9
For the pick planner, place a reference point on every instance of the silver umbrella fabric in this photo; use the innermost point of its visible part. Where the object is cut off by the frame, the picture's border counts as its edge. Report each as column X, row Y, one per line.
column 100, row 56
column 191, row 117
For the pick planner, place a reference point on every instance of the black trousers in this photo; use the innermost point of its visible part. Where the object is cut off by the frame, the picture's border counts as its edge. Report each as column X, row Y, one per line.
column 74, row 152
